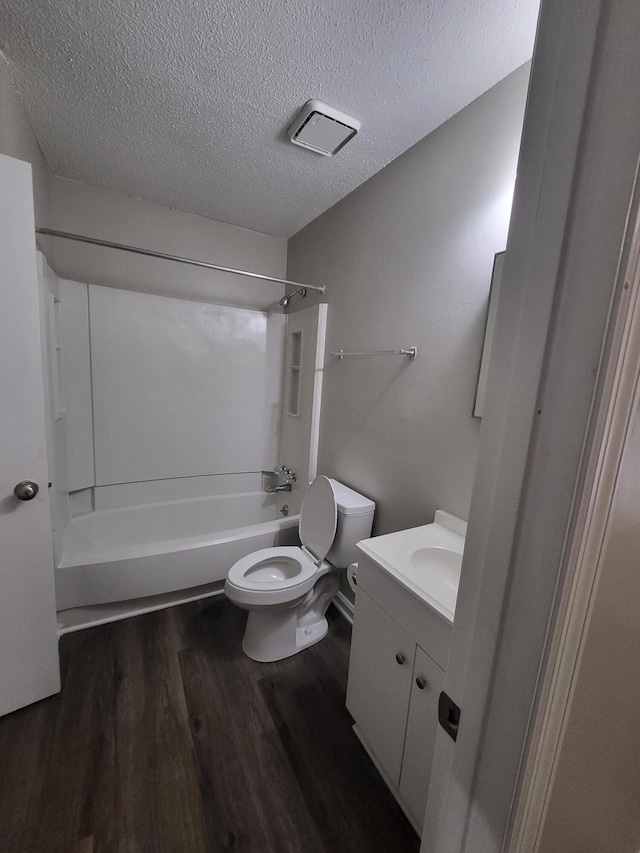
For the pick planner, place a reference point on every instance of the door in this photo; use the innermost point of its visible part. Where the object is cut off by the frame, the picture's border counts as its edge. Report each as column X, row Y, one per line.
column 428, row 681
column 379, row 685
column 29, row 668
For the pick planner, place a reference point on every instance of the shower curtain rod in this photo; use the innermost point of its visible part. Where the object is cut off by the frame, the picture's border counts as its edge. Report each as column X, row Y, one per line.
column 50, row 232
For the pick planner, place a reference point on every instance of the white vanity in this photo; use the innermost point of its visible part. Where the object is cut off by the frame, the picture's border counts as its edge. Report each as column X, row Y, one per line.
column 407, row 585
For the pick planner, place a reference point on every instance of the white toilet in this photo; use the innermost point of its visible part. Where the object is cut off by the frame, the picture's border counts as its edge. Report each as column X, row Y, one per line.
column 287, row 590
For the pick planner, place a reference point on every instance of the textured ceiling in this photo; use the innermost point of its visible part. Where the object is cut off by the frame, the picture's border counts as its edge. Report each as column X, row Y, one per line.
column 185, row 102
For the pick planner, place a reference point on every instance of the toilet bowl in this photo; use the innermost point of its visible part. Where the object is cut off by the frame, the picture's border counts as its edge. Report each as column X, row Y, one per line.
column 287, row 590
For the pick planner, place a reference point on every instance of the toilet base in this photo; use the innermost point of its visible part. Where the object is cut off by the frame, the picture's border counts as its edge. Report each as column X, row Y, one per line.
column 268, row 637
column 273, row 633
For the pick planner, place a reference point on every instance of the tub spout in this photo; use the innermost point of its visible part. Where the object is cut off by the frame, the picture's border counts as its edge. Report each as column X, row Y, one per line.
column 285, row 487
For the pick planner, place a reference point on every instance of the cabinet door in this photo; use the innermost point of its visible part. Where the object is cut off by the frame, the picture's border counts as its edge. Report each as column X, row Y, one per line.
column 428, row 681
column 379, row 685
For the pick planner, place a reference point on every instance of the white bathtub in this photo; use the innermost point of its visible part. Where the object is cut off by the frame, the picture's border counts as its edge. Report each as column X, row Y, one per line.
column 119, row 554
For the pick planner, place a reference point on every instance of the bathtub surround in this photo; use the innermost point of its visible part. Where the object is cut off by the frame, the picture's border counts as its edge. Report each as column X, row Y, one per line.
column 408, row 257
column 163, row 413
column 169, row 410
column 158, row 388
column 136, row 288
column 179, row 388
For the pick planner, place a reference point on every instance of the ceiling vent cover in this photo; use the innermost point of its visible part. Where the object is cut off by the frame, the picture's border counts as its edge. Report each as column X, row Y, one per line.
column 322, row 128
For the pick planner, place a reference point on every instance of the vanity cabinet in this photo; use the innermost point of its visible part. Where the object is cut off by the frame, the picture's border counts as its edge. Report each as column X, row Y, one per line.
column 379, row 689
column 395, row 682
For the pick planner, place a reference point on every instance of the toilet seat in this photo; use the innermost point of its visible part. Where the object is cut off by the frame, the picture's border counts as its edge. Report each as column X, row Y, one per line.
column 272, row 576
column 282, row 575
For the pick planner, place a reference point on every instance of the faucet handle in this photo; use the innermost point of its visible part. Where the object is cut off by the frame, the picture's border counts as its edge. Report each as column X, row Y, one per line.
column 286, row 473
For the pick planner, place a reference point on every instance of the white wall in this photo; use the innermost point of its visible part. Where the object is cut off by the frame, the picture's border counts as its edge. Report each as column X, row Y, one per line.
column 17, row 139
column 407, row 261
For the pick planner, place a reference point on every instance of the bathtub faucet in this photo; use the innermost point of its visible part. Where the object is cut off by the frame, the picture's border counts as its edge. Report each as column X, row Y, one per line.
column 286, row 474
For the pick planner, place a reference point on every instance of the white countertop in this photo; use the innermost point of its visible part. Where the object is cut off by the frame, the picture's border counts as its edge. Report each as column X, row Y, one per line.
column 426, row 560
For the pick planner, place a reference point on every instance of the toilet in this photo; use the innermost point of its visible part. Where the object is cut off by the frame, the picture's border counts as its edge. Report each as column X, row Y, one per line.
column 287, row 590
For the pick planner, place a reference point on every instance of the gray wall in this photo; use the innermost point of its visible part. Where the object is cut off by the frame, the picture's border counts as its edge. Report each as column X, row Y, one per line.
column 18, row 140
column 115, row 216
column 407, row 261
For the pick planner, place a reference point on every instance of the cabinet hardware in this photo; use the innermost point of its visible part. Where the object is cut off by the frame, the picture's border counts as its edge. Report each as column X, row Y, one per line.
column 421, row 682
column 400, row 658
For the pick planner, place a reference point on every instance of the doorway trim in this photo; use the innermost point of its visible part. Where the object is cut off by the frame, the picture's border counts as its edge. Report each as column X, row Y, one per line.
column 619, row 402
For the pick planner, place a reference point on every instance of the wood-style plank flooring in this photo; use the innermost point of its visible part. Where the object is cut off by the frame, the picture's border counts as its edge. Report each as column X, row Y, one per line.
column 166, row 738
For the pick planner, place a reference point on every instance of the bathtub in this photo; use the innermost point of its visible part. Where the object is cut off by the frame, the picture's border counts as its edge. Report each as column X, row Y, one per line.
column 120, row 554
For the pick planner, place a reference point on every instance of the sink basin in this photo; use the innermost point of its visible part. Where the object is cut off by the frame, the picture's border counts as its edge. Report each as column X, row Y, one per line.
column 437, row 559
column 427, row 560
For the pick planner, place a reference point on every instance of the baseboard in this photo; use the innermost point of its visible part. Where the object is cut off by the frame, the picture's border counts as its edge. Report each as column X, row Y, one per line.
column 343, row 606
column 79, row 618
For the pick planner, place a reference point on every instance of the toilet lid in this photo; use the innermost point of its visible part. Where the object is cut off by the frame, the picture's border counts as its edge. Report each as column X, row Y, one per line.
column 318, row 518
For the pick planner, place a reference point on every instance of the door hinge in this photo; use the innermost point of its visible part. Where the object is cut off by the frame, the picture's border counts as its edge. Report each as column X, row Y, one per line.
column 448, row 715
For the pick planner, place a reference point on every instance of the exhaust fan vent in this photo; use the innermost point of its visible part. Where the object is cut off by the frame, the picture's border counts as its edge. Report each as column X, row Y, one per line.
column 322, row 128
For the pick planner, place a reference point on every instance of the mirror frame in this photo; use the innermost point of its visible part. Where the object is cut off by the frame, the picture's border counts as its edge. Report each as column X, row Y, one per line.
column 489, row 332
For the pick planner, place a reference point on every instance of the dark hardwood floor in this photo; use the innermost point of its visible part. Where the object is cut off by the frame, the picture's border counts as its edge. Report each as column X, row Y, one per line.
column 166, row 738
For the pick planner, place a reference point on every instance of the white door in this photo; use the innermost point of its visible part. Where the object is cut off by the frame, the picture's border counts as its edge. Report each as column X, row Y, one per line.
column 29, row 668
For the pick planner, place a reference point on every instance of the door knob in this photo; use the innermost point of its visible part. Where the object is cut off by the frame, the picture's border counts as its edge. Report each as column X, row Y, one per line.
column 26, row 490
column 400, row 658
column 421, row 682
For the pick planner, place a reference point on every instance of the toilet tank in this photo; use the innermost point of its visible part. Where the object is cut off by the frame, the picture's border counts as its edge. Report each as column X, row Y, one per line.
column 354, row 522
